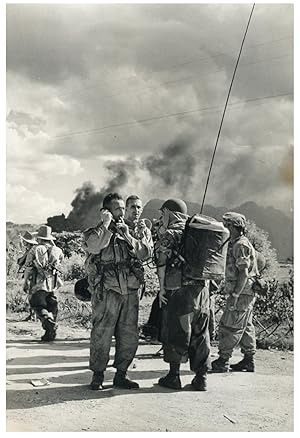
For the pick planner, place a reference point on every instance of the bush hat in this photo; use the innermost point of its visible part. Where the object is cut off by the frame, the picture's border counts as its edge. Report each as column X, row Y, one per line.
column 29, row 237
column 44, row 233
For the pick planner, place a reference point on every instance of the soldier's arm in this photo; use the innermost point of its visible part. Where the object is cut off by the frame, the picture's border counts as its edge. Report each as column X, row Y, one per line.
column 165, row 245
column 145, row 248
column 96, row 239
column 161, row 273
column 241, row 281
column 242, row 255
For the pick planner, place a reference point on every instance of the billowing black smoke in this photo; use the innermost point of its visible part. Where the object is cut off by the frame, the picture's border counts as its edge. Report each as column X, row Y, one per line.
column 173, row 167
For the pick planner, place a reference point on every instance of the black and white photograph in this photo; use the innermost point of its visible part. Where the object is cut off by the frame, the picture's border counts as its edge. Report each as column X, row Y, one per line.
column 149, row 217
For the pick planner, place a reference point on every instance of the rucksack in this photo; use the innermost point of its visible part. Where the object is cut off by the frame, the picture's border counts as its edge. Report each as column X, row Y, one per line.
column 204, row 248
column 260, row 285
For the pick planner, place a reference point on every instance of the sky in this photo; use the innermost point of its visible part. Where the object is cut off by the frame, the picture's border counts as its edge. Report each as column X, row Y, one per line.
column 92, row 89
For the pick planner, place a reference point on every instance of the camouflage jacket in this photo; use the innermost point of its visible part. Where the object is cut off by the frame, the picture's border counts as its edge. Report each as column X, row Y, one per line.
column 240, row 253
column 113, row 263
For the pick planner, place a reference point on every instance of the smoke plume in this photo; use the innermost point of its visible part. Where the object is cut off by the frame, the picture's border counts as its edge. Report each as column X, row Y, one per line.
column 172, row 169
column 173, row 166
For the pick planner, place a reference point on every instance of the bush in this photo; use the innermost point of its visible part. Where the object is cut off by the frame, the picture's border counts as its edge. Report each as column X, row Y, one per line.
column 277, row 305
column 73, row 267
column 16, row 298
column 259, row 239
column 70, row 243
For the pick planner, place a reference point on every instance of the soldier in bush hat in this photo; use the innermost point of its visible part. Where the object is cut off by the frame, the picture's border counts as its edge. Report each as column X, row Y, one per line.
column 236, row 326
column 47, row 258
column 184, row 302
column 25, row 262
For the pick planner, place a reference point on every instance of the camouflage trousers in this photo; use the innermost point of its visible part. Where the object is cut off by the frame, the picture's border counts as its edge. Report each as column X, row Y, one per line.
column 45, row 305
column 185, row 320
column 237, row 329
column 114, row 314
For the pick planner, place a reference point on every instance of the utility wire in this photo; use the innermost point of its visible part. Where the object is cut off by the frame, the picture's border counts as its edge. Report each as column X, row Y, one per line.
column 187, row 78
column 172, row 67
column 226, row 103
column 165, row 116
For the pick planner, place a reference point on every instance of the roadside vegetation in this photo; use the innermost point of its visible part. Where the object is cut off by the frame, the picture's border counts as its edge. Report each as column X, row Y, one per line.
column 274, row 312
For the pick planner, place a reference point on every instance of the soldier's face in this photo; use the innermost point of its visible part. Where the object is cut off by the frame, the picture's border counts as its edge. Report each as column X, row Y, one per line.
column 134, row 210
column 117, row 209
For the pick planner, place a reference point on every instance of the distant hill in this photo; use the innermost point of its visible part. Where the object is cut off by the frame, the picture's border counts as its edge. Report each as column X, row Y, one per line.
column 273, row 221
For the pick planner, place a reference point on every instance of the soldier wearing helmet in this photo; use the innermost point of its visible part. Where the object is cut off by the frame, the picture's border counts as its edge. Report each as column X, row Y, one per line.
column 236, row 326
column 185, row 304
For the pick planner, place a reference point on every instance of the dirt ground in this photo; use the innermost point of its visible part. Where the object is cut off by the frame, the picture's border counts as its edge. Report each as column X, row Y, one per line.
column 260, row 402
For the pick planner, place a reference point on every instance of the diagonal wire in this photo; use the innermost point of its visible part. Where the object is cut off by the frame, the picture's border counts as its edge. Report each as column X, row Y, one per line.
column 226, row 103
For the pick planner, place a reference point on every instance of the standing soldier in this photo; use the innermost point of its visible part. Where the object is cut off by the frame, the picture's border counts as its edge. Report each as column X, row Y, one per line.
column 185, row 305
column 138, row 228
column 25, row 262
column 236, row 326
column 47, row 258
column 112, row 253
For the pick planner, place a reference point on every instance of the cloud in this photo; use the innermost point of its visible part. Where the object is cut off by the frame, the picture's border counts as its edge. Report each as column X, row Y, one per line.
column 28, row 206
column 30, row 166
column 22, row 122
column 88, row 81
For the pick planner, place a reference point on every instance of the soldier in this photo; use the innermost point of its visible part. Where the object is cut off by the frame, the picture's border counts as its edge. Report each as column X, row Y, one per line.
column 113, row 283
column 138, row 228
column 185, row 305
column 47, row 258
column 236, row 326
column 25, row 262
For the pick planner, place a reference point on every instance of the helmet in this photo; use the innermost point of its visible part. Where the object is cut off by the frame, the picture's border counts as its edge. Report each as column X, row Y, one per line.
column 81, row 290
column 175, row 205
column 236, row 219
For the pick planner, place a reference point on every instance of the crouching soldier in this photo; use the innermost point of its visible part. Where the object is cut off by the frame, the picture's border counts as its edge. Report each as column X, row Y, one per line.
column 112, row 252
column 47, row 258
column 236, row 326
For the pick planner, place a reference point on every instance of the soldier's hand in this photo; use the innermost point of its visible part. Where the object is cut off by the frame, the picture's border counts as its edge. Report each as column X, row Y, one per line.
column 162, row 297
column 106, row 217
column 122, row 227
column 142, row 227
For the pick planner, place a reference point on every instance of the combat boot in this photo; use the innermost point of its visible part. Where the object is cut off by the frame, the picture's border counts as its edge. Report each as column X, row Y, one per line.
column 122, row 381
column 50, row 330
column 220, row 365
column 170, row 381
column 246, row 364
column 97, row 380
column 46, row 336
column 199, row 382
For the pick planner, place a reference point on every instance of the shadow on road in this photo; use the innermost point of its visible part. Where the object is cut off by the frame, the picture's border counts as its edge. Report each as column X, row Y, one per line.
column 31, row 398
column 37, row 370
column 47, row 360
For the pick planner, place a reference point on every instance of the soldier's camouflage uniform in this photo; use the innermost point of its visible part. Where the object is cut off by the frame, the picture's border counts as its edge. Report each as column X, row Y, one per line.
column 185, row 317
column 115, row 276
column 43, row 299
column 236, row 326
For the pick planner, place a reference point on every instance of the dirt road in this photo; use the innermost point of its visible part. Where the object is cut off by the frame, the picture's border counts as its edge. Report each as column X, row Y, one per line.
column 261, row 401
